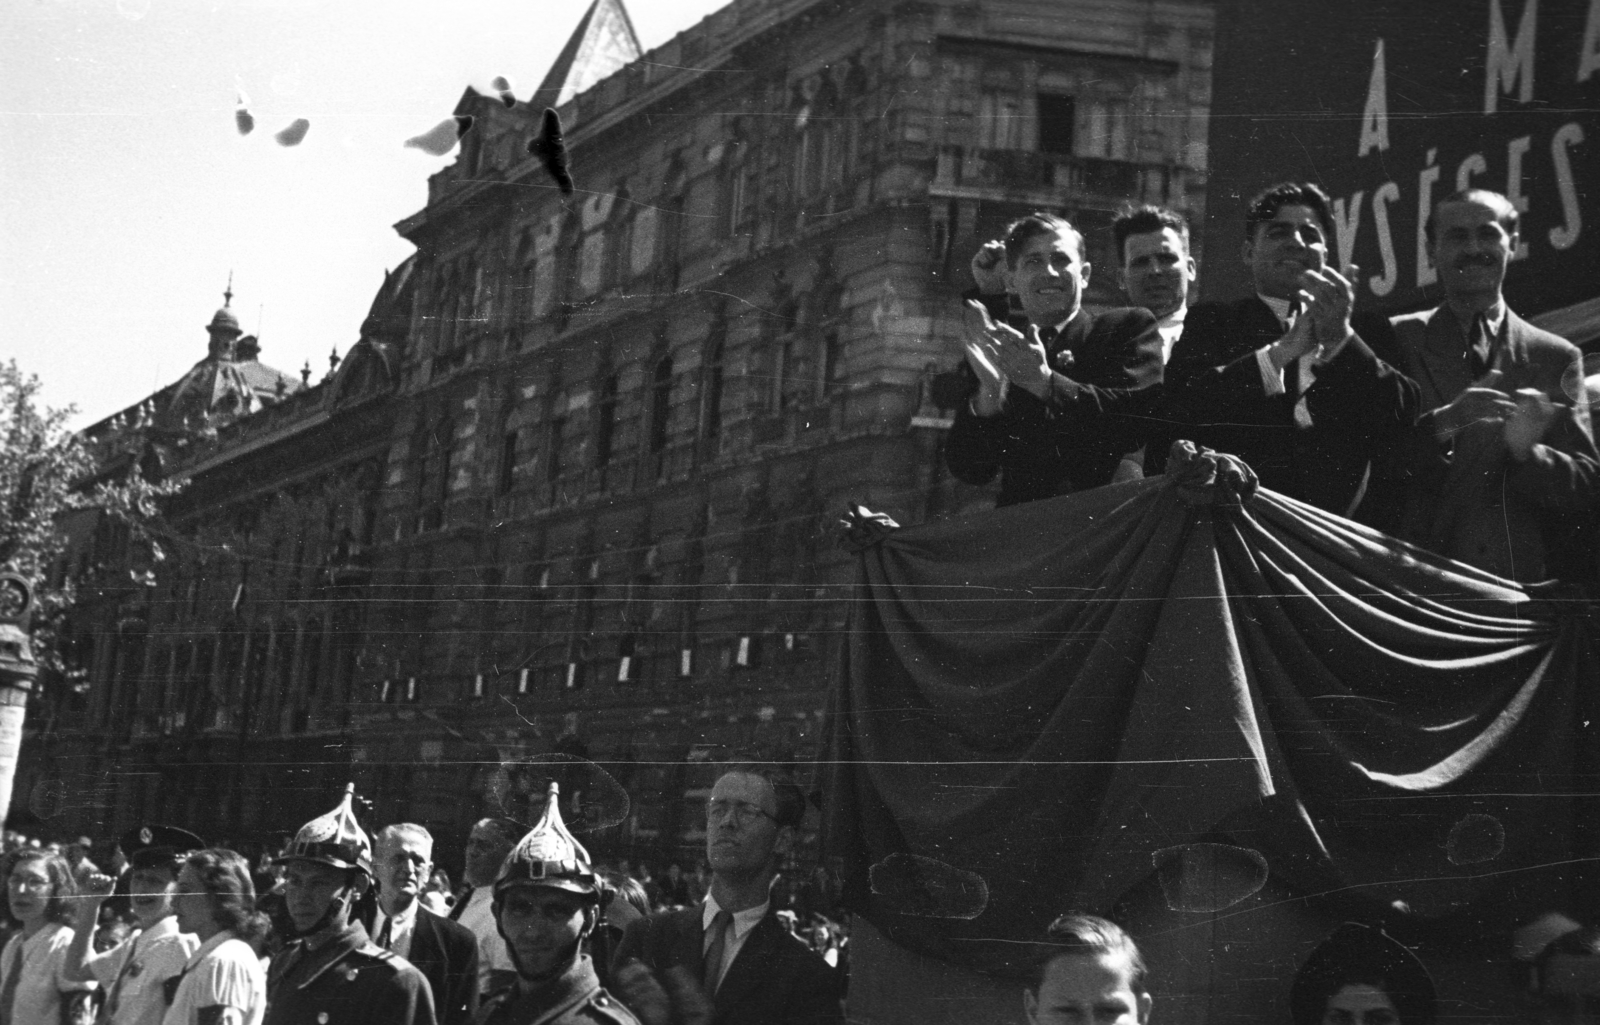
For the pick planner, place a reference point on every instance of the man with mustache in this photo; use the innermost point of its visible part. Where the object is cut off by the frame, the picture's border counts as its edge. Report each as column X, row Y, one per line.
column 1291, row 379
column 1503, row 464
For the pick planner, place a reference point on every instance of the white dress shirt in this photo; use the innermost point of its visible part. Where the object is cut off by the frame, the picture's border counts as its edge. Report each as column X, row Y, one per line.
column 142, row 962
column 43, row 981
column 400, row 931
column 743, row 922
column 1171, row 329
column 224, row 973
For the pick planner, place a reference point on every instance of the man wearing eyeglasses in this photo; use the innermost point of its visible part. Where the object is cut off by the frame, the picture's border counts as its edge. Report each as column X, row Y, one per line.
column 732, row 947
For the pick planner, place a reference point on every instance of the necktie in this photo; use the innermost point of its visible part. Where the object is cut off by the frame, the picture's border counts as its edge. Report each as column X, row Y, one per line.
column 385, row 933
column 720, row 925
column 1480, row 346
column 8, row 993
column 109, row 1008
column 461, row 904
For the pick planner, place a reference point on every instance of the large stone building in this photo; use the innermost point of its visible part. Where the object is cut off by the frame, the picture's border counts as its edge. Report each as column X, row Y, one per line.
column 570, row 494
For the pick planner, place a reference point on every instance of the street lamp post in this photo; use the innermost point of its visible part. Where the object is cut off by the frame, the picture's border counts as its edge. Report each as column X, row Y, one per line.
column 17, row 672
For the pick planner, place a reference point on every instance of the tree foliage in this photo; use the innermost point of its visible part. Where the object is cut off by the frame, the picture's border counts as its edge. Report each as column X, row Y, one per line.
column 46, row 473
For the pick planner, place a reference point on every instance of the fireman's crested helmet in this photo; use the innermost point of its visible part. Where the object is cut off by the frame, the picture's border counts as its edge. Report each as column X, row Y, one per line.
column 335, row 839
column 549, row 856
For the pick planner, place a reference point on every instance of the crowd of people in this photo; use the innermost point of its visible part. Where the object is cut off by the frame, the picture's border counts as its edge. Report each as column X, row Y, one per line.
column 345, row 934
column 1461, row 428
column 337, row 927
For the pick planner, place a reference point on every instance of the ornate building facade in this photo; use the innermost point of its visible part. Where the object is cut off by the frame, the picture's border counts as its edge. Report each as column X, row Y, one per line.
column 569, row 497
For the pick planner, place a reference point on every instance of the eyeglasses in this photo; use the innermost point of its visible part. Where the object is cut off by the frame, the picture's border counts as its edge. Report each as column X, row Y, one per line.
column 741, row 812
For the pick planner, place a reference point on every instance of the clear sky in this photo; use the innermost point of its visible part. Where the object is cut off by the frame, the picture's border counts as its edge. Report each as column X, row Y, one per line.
column 127, row 194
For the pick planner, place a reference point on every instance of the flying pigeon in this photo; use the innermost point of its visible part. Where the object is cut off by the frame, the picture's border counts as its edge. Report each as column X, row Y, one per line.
column 242, row 118
column 502, row 85
column 442, row 137
column 551, row 149
column 294, row 133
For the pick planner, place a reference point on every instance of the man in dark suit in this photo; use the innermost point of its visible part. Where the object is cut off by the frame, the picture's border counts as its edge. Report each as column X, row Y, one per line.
column 753, row 970
column 1502, row 467
column 443, row 951
column 1290, row 379
column 1062, row 395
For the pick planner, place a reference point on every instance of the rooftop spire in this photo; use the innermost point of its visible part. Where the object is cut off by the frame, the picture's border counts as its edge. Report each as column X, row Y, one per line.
column 603, row 43
column 227, row 293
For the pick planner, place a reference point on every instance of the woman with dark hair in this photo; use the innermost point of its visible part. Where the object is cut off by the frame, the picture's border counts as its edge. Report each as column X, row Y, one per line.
column 33, row 982
column 223, row 983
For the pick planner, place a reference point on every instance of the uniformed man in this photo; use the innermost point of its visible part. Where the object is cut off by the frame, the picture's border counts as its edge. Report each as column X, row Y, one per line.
column 331, row 974
column 132, row 972
column 546, row 903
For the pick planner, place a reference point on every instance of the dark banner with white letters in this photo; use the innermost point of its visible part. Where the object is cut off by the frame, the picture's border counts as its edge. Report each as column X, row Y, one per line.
column 1392, row 105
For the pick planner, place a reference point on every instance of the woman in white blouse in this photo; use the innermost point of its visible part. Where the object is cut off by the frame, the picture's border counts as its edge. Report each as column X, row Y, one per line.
column 33, row 983
column 223, row 983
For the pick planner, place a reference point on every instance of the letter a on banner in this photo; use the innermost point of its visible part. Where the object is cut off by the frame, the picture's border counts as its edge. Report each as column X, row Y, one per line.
column 1375, row 118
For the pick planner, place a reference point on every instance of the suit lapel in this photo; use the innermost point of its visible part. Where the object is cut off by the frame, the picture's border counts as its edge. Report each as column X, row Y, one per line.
column 750, row 967
column 1442, row 360
column 425, row 942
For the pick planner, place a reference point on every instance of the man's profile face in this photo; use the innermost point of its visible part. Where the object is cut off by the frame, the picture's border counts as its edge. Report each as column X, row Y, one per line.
column 542, row 926
column 1156, row 270
column 1085, row 989
column 1049, row 276
column 742, row 834
column 1360, row 1004
column 486, row 849
column 311, row 887
column 402, row 863
column 1471, row 248
column 1282, row 249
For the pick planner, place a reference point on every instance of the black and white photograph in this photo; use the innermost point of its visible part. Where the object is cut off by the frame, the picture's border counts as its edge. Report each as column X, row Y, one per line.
column 800, row 512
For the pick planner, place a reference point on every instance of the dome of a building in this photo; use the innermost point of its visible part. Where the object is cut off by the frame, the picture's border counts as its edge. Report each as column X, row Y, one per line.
column 224, row 320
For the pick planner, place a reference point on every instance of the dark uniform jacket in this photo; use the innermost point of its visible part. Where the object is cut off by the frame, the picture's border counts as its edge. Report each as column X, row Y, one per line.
column 775, row 979
column 347, row 980
column 573, row 998
column 1468, row 499
column 1360, row 406
column 1066, row 442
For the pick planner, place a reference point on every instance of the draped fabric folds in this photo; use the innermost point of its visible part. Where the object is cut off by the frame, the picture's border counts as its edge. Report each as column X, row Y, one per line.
column 1038, row 706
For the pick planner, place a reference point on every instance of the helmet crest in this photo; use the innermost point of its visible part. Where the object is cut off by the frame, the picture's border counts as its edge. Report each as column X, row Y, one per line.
column 548, row 856
column 333, row 839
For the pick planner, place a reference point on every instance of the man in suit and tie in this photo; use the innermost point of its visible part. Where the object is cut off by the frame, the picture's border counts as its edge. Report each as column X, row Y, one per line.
column 487, row 846
column 1502, row 466
column 753, row 970
column 1053, row 402
column 445, row 952
column 1290, row 379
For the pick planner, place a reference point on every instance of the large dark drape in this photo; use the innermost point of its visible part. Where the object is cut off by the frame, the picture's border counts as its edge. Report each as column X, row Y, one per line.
column 1038, row 706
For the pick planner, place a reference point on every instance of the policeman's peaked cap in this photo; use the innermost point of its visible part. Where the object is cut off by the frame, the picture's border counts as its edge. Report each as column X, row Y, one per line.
column 333, row 839
column 158, row 846
column 549, row 856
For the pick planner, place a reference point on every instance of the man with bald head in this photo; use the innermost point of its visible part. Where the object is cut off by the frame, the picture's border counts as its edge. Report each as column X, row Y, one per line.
column 1502, row 463
column 487, row 846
